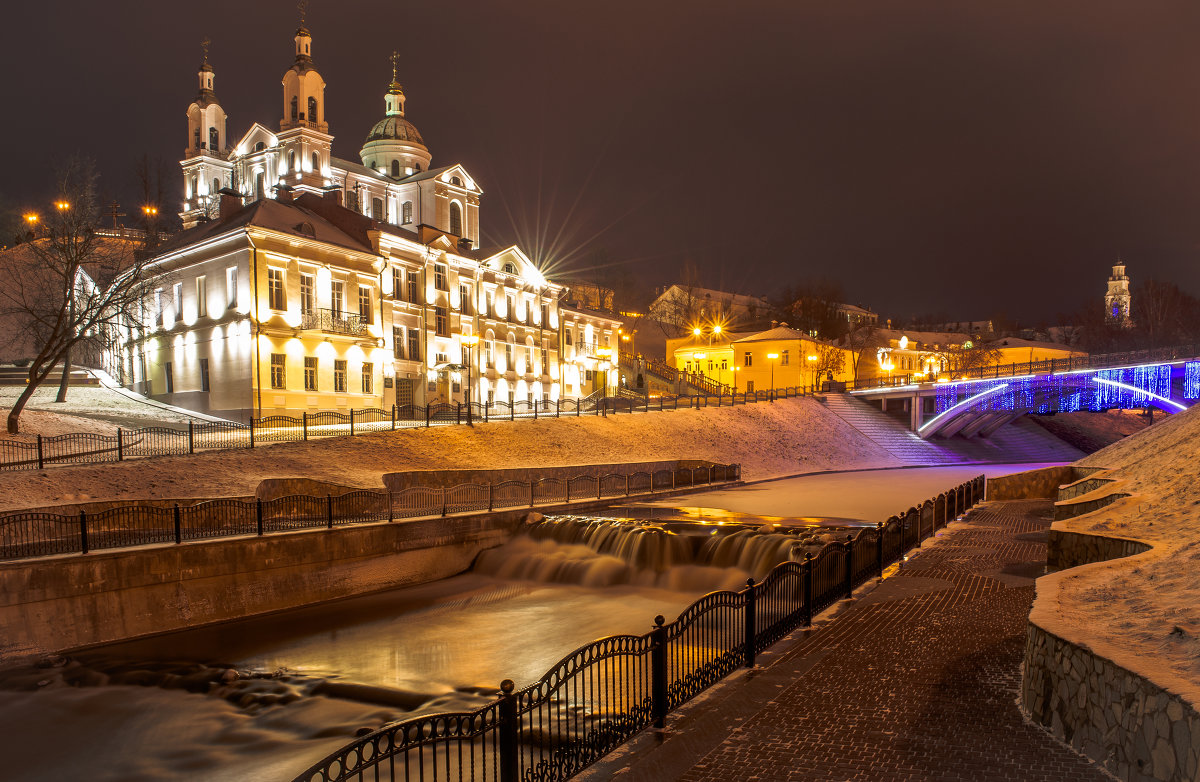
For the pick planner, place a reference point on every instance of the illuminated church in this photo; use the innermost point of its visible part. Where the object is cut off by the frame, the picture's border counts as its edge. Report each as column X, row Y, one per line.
column 306, row 282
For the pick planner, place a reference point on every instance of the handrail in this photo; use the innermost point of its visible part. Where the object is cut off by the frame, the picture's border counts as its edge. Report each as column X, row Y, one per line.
column 603, row 693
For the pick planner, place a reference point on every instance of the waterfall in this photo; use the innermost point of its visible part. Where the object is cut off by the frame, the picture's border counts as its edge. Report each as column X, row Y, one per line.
column 598, row 552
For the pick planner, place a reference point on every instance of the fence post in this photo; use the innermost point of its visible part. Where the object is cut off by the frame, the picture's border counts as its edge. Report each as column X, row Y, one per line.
column 558, row 407
column 191, row 437
column 535, row 407
column 568, row 492
column 576, row 407
column 251, row 431
column 652, row 479
column 259, row 514
column 83, row 536
column 41, row 458
column 443, row 500
column 599, row 485
column 672, row 479
column 391, row 507
column 849, row 564
column 658, row 673
column 508, row 732
column 426, row 416
column 329, row 511
column 458, row 413
column 120, row 445
column 531, row 491
column 626, row 484
column 352, row 422
column 879, row 549
column 808, row 590
column 393, row 417
column 178, row 526
column 491, row 496
column 750, row 623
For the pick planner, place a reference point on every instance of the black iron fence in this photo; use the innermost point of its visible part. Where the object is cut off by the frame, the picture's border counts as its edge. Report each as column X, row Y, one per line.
column 601, row 694
column 36, row 534
column 166, row 441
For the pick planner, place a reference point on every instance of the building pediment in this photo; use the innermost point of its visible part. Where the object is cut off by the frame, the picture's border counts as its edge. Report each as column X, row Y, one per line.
column 457, row 176
column 258, row 134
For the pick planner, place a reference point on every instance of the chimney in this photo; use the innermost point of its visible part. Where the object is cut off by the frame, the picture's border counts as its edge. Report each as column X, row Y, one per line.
column 334, row 195
column 231, row 201
column 465, row 244
column 283, row 193
column 774, row 323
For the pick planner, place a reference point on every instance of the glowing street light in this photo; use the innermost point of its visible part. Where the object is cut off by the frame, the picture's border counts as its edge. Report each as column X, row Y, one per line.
column 812, row 362
column 773, row 357
column 62, row 206
column 32, row 219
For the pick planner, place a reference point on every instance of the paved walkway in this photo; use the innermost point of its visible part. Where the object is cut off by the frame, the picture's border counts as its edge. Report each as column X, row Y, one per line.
column 916, row 680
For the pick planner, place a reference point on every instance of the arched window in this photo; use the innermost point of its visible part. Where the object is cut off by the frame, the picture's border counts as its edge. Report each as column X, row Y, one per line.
column 312, row 109
column 316, row 163
column 291, row 160
column 406, row 213
column 377, row 208
column 455, row 181
column 455, row 218
column 510, row 268
column 214, row 139
column 295, row 108
column 259, row 146
column 395, row 169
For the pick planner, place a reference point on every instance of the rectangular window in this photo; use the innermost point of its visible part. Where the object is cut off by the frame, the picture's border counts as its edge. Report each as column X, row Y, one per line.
column 170, row 377
column 278, row 379
column 569, row 337
column 414, row 345
column 337, row 295
column 364, row 303
column 368, row 377
column 177, row 299
column 748, row 359
column 397, row 282
column 310, row 373
column 201, row 298
column 545, row 322
column 529, row 360
column 204, row 384
column 490, row 350
column 439, row 277
column 160, row 314
column 412, row 287
column 483, row 305
column 441, row 322
column 464, row 299
column 724, row 364
column 508, row 357
column 308, row 294
column 275, row 296
column 456, row 386
column 406, row 213
column 397, row 342
column 510, row 310
column 231, row 287
column 783, row 358
column 750, row 386
column 339, row 375
column 545, row 362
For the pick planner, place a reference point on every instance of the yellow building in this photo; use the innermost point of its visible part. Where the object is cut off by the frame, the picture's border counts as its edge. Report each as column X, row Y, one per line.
column 930, row 355
column 780, row 357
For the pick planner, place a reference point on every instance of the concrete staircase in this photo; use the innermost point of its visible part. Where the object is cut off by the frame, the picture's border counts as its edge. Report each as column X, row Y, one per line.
column 19, row 376
column 1020, row 441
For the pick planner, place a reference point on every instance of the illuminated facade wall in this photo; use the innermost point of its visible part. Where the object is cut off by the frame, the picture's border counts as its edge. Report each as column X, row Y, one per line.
column 590, row 352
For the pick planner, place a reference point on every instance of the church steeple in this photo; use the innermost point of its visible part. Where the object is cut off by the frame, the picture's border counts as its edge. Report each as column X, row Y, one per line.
column 303, row 39
column 206, row 167
column 206, row 76
column 1117, row 301
column 303, row 87
column 394, row 100
column 394, row 146
column 206, row 119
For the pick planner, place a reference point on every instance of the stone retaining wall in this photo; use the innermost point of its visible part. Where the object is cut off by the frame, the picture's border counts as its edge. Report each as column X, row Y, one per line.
column 1135, row 729
column 1070, row 509
column 1069, row 549
column 1082, row 487
column 398, row 481
column 1039, row 484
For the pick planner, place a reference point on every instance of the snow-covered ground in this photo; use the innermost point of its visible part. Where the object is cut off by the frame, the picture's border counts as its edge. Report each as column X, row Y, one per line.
column 1142, row 613
column 91, row 409
column 788, row 437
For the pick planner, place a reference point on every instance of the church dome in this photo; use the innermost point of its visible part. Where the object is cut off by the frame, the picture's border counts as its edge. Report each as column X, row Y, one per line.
column 395, row 128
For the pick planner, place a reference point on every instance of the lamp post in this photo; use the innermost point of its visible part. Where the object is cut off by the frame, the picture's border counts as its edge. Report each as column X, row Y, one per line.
column 698, row 357
column 772, row 357
column 812, row 359
column 468, row 341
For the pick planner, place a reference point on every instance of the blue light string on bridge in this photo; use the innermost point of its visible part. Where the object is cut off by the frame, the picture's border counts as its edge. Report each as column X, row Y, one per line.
column 1191, row 380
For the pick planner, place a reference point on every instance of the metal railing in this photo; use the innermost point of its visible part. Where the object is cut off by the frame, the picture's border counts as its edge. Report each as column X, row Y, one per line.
column 601, row 694
column 38, row 534
column 87, row 448
column 335, row 322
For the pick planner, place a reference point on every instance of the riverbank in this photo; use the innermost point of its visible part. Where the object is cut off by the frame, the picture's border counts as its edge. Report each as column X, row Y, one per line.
column 784, row 438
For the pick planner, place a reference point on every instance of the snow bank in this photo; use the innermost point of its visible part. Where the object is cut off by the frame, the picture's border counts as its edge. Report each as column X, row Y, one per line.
column 768, row 440
column 1143, row 613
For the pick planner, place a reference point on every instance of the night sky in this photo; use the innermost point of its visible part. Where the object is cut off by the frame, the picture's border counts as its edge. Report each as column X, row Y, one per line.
column 978, row 158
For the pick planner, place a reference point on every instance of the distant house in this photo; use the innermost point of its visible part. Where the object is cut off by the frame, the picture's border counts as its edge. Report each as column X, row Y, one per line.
column 682, row 308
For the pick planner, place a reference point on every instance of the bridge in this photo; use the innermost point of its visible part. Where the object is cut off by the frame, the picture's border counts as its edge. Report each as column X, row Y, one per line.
column 978, row 402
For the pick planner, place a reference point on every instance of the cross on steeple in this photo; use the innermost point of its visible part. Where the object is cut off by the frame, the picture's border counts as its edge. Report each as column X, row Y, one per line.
column 395, row 59
column 302, row 7
column 204, row 47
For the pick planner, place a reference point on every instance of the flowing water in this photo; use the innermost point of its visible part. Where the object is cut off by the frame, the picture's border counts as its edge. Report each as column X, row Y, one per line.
column 264, row 698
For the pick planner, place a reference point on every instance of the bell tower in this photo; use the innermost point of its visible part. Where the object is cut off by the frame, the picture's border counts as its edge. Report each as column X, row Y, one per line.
column 206, row 165
column 1117, row 300
column 304, row 133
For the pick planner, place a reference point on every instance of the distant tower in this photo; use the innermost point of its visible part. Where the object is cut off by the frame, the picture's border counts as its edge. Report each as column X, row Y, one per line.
column 1116, row 301
column 304, row 138
column 394, row 147
column 206, row 167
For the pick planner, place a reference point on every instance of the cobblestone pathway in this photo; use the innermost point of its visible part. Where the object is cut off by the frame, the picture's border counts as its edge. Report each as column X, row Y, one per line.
column 918, row 679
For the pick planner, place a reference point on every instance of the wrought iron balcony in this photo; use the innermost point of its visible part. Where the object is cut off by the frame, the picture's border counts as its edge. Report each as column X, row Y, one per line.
column 335, row 322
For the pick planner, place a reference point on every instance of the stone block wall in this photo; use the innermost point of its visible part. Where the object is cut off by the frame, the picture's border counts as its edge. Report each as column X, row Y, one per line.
column 1031, row 484
column 1135, row 729
column 1069, row 510
column 1068, row 549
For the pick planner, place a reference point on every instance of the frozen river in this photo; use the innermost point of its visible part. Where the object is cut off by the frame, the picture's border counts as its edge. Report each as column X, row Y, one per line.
column 171, row 707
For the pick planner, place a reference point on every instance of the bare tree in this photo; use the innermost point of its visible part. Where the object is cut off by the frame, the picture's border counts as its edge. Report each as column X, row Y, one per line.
column 69, row 288
column 967, row 356
column 677, row 312
column 863, row 338
column 831, row 359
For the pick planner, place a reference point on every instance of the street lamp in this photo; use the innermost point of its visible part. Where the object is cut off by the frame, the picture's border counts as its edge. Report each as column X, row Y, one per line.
column 62, row 206
column 773, row 357
column 812, row 359
column 468, row 341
